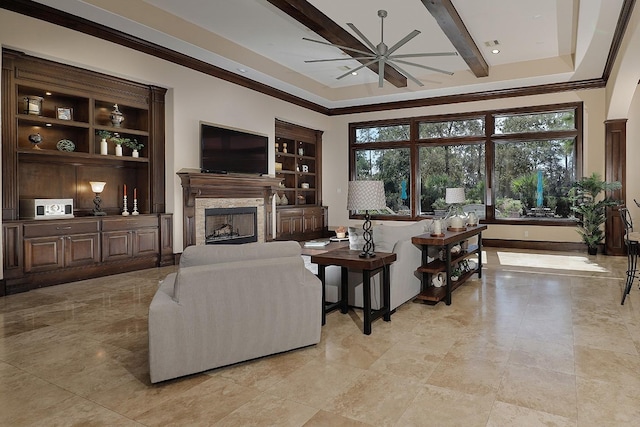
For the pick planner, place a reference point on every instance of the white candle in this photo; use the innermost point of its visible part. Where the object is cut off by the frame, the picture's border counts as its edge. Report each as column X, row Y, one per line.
column 437, row 228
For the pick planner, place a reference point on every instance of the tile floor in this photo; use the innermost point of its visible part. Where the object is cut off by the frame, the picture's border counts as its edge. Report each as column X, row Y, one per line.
column 523, row 346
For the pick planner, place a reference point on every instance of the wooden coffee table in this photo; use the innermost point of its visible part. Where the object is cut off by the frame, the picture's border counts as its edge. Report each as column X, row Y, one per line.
column 347, row 259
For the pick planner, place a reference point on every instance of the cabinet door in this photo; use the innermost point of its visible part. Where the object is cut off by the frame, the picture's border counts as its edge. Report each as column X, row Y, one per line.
column 43, row 254
column 117, row 245
column 145, row 242
column 81, row 249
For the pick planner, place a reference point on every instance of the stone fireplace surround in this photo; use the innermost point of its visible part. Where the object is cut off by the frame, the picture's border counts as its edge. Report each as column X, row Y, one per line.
column 207, row 190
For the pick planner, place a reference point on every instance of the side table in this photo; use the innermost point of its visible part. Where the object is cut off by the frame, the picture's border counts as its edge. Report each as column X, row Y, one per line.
column 347, row 259
column 428, row 269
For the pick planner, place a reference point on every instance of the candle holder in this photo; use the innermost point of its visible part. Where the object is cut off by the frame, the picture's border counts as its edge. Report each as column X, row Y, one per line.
column 135, row 207
column 125, row 211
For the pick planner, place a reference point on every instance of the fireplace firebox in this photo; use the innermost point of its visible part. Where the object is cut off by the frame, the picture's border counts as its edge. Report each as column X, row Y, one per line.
column 230, row 225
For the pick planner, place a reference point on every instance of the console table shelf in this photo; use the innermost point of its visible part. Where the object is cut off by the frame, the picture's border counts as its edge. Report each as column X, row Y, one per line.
column 430, row 293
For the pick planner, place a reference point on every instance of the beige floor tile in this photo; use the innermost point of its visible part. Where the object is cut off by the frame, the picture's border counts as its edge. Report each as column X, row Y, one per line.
column 539, row 389
column 316, row 384
column 602, row 403
column 441, row 407
column 204, row 404
column 609, row 366
column 554, row 356
column 267, row 410
column 327, row 419
column 375, row 398
column 504, row 414
column 471, row 376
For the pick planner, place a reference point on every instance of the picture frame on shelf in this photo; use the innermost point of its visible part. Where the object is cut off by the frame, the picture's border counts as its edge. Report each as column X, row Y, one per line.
column 64, row 113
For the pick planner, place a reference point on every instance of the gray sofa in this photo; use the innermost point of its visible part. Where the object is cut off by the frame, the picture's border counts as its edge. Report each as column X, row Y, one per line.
column 405, row 281
column 231, row 303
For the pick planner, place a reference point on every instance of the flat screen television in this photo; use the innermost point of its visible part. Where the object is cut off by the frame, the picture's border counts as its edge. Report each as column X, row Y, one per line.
column 225, row 150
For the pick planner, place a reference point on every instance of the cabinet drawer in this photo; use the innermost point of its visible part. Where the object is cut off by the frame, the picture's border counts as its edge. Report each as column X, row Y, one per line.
column 129, row 223
column 61, row 228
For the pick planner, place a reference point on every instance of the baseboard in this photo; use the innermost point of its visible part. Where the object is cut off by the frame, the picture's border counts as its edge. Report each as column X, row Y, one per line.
column 537, row 245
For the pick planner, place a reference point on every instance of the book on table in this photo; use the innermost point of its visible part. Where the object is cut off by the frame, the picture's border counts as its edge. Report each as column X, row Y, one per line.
column 316, row 243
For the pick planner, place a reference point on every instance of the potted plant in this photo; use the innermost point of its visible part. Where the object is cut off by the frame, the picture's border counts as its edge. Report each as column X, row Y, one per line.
column 135, row 146
column 439, row 207
column 591, row 208
column 119, row 141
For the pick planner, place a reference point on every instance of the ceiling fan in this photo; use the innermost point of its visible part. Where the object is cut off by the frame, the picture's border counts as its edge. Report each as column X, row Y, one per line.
column 382, row 54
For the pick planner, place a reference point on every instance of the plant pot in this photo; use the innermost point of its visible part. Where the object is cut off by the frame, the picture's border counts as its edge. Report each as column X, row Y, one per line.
column 118, row 150
column 135, row 153
column 592, row 250
column 104, row 148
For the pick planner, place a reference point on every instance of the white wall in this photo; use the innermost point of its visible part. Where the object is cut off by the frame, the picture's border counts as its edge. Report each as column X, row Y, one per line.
column 193, row 97
column 633, row 158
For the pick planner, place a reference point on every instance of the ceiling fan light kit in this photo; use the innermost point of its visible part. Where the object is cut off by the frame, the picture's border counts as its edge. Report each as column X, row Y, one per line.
column 382, row 54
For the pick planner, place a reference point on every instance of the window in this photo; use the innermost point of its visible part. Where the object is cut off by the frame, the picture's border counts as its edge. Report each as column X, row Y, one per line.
column 523, row 160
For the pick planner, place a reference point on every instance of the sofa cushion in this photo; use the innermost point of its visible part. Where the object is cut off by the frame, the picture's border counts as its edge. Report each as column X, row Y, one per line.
column 209, row 254
column 385, row 237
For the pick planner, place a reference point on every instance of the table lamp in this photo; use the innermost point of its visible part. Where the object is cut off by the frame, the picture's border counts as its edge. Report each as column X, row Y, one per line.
column 97, row 187
column 456, row 217
column 366, row 196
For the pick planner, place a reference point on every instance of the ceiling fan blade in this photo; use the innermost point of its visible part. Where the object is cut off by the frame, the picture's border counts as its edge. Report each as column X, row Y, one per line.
column 423, row 66
column 396, row 46
column 341, row 59
column 424, row 55
column 380, row 72
column 355, row 69
column 339, row 46
column 406, row 73
column 362, row 36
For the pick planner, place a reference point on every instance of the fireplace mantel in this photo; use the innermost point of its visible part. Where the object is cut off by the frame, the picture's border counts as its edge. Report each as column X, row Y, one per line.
column 196, row 184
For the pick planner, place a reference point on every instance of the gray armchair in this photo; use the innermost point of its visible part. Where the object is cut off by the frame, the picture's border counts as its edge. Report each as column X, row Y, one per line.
column 231, row 303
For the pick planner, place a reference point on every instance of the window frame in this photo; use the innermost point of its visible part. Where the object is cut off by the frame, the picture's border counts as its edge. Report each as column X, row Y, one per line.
column 489, row 139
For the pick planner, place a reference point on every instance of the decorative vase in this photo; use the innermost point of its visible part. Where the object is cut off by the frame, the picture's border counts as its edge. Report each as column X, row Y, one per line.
column 135, row 153
column 284, row 200
column 104, row 147
column 118, row 150
column 116, row 116
column 35, row 139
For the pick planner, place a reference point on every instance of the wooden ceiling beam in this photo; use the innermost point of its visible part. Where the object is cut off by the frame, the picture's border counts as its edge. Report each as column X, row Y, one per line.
column 306, row 14
column 448, row 19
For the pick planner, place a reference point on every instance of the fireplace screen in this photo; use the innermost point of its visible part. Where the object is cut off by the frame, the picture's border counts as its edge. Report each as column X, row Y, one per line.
column 230, row 225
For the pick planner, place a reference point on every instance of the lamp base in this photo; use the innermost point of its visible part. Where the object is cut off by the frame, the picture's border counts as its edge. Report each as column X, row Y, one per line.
column 98, row 213
column 456, row 229
column 367, row 255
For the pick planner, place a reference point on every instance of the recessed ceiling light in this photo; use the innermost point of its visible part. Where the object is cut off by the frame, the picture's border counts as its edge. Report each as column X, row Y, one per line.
column 355, row 73
column 495, row 51
column 48, row 93
column 242, row 70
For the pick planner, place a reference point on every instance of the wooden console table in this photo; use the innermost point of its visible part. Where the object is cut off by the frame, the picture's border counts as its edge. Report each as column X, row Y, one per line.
column 428, row 269
column 347, row 259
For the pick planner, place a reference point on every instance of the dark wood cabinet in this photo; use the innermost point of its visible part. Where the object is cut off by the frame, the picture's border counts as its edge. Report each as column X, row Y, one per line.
column 298, row 165
column 301, row 223
column 46, row 252
column 67, row 108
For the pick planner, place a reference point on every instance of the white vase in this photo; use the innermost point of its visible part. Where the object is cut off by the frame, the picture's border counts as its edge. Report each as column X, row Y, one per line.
column 135, row 153
column 104, row 147
column 118, row 150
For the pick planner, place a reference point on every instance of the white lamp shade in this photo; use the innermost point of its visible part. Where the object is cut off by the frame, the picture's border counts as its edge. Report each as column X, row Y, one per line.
column 97, row 186
column 454, row 195
column 366, row 195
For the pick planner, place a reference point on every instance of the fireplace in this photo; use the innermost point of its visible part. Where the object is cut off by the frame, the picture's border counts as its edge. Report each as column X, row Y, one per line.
column 230, row 225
